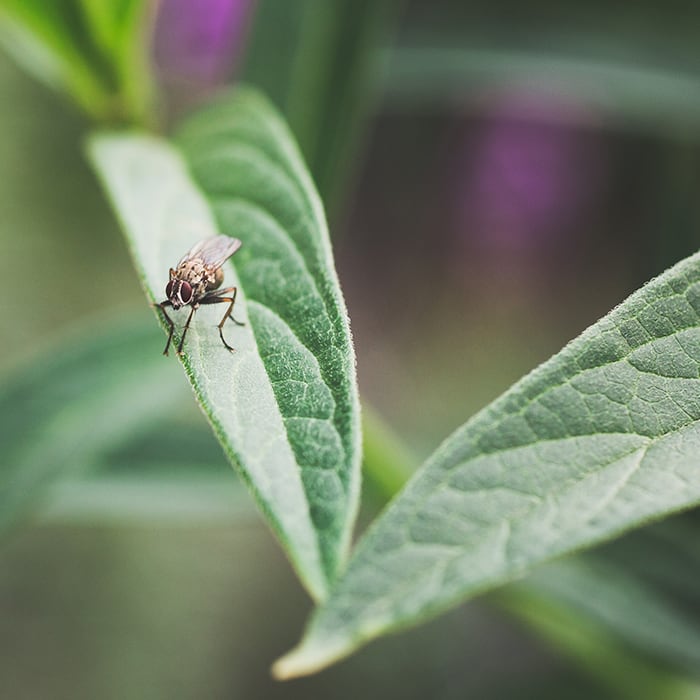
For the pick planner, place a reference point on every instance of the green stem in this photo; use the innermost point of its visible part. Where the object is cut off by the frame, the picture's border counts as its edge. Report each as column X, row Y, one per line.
column 387, row 463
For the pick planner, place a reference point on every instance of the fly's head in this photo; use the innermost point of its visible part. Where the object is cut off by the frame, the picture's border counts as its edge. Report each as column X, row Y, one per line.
column 178, row 291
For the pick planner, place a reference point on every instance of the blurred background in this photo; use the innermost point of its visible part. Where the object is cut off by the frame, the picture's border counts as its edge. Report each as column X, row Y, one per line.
column 497, row 177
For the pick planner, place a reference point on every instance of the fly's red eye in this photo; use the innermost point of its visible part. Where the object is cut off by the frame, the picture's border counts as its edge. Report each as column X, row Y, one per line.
column 169, row 289
column 185, row 292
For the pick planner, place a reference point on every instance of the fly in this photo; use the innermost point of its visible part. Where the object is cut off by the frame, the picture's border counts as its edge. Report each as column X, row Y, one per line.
column 196, row 281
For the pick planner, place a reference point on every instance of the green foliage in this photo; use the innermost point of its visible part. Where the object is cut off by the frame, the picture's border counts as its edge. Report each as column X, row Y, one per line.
column 604, row 593
column 94, row 51
column 284, row 405
column 318, row 62
column 246, row 163
column 619, row 637
column 63, row 412
column 601, row 438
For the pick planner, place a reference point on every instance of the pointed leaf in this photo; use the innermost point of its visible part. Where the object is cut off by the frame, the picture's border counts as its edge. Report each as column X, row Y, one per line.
column 284, row 405
column 599, row 439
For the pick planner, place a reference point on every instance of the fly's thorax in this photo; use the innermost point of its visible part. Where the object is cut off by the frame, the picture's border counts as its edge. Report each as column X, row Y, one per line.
column 201, row 277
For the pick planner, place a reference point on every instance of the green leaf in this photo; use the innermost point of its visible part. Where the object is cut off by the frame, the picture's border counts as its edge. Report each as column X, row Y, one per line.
column 96, row 52
column 61, row 412
column 120, row 29
column 45, row 39
column 674, row 563
column 100, row 429
column 611, row 598
column 318, row 62
column 584, row 630
column 621, row 620
column 334, row 75
column 599, row 439
column 284, row 405
column 639, row 91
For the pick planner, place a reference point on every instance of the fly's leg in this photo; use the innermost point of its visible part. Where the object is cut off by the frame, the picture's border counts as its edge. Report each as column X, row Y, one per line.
column 217, row 299
column 169, row 321
column 185, row 329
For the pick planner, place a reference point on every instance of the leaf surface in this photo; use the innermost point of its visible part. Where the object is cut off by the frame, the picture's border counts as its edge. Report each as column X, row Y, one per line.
column 284, row 405
column 599, row 439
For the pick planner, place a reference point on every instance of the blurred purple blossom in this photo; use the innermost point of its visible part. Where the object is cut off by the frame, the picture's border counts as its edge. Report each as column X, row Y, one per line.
column 196, row 43
column 527, row 172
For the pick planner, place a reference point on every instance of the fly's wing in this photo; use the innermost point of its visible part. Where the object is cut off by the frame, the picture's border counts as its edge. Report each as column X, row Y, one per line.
column 214, row 251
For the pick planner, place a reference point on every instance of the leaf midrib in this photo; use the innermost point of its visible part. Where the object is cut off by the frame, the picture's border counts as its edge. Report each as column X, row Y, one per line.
column 214, row 196
column 445, row 561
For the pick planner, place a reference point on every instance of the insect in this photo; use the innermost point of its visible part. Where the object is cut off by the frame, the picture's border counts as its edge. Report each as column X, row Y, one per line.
column 196, row 281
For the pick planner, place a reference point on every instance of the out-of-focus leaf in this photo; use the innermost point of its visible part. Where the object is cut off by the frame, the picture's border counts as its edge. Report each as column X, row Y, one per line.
column 591, row 641
column 634, row 63
column 646, row 95
column 269, row 58
column 96, row 52
column 120, row 29
column 62, row 412
column 155, row 459
column 334, row 78
column 284, row 405
column 621, row 604
column 135, row 499
column 45, row 38
column 319, row 61
column 601, row 438
column 666, row 558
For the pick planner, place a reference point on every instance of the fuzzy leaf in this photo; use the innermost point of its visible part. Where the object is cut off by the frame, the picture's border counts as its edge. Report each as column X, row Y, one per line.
column 284, row 405
column 599, row 439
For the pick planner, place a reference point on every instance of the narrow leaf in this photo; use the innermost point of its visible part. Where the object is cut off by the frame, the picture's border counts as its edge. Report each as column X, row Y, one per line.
column 599, row 439
column 284, row 405
column 62, row 411
column 100, row 429
column 332, row 77
column 618, row 603
column 588, row 642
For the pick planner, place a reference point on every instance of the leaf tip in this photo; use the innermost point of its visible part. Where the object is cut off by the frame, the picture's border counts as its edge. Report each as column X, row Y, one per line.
column 96, row 147
column 306, row 658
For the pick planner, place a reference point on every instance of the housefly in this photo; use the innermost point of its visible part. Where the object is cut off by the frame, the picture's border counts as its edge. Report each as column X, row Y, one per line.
column 196, row 281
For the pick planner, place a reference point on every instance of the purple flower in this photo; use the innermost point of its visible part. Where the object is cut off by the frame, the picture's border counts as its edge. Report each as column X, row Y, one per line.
column 528, row 173
column 196, row 43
